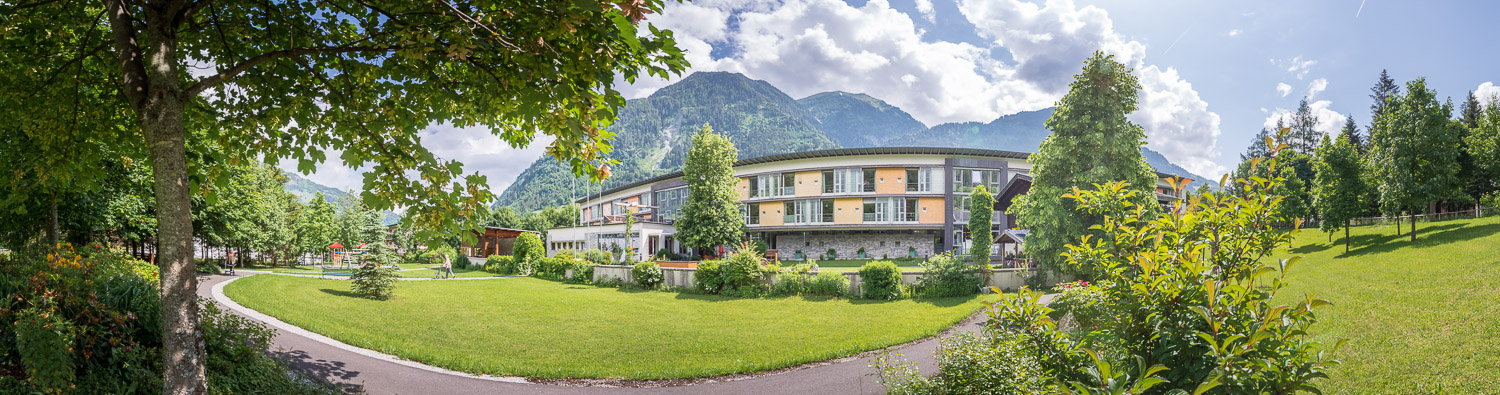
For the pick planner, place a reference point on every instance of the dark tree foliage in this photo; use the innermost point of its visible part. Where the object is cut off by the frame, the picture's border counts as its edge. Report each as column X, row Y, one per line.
column 1384, row 88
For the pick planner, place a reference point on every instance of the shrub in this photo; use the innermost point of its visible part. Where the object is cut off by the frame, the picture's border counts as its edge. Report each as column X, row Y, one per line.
column 374, row 281
column 1081, row 305
column 760, row 247
column 597, row 256
column 969, row 364
column 665, row 254
column 44, row 339
column 206, row 266
column 1207, row 316
column 647, row 275
column 529, row 247
column 583, row 272
column 551, row 267
column 790, row 284
column 461, row 262
column 237, row 361
column 880, row 280
column 567, row 254
column 498, row 264
column 947, row 275
column 832, row 254
column 709, row 278
column 741, row 272
column 829, row 284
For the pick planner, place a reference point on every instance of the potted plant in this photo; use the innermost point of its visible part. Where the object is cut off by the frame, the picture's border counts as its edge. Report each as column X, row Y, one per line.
column 911, row 252
column 861, row 253
column 832, row 254
column 798, row 255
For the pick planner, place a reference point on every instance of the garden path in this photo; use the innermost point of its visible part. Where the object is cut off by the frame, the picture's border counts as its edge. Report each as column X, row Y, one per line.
column 378, row 373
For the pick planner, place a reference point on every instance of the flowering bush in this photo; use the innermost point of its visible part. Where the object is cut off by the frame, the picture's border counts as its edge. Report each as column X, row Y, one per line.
column 647, row 275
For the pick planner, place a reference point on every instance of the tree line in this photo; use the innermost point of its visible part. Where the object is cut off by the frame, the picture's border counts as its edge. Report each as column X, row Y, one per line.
column 1417, row 156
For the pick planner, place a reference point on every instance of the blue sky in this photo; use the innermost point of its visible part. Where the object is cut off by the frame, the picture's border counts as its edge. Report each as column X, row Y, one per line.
column 1213, row 72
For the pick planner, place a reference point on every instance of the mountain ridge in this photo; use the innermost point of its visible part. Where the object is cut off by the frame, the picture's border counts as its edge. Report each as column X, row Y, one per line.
column 652, row 133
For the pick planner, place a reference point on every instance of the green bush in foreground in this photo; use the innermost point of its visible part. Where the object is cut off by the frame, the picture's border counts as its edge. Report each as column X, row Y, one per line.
column 982, row 364
column 828, row 284
column 374, row 281
column 461, row 262
column 880, row 280
column 1194, row 294
column 583, row 272
column 708, row 278
column 647, row 275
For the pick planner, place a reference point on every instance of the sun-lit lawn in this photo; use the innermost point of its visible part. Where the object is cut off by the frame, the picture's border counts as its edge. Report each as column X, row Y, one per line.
column 538, row 328
column 1420, row 317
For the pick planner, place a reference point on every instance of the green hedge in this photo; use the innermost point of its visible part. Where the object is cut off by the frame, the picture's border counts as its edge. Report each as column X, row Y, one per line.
column 500, row 264
column 880, row 280
column 647, row 275
column 529, row 247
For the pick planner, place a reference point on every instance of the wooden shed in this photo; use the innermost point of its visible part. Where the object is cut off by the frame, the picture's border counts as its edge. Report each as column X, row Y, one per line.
column 493, row 241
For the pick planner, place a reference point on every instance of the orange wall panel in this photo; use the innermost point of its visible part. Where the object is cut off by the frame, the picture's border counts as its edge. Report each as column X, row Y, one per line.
column 743, row 188
column 809, row 183
column 890, row 180
column 771, row 214
column 931, row 210
column 846, row 211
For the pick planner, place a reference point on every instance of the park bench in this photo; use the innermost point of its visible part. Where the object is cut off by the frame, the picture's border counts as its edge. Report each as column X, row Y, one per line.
column 337, row 271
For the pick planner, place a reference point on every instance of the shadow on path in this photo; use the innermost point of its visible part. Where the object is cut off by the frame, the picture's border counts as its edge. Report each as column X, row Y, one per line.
column 332, row 372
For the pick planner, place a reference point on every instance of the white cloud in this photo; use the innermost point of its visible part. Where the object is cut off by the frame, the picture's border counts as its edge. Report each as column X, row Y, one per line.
column 808, row 46
column 1316, row 87
column 1283, row 89
column 1487, row 92
column 925, row 8
column 1298, row 66
column 1234, row 32
column 1329, row 121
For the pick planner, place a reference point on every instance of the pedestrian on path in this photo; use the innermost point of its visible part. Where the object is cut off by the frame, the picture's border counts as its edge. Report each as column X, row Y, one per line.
column 447, row 267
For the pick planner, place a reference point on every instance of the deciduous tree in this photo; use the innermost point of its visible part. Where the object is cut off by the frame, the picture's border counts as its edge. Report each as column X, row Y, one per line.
column 1092, row 142
column 1415, row 149
column 711, row 215
column 1339, row 189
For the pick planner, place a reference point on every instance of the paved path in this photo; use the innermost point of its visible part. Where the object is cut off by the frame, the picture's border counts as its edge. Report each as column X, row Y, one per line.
column 382, row 374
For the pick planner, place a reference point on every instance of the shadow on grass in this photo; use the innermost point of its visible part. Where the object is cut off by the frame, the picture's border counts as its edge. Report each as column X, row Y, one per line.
column 333, row 373
column 337, row 292
column 1311, row 248
column 1426, row 237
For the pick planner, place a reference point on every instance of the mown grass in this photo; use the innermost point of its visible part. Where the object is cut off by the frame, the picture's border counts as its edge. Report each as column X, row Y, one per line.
column 538, row 328
column 407, row 270
column 1420, row 317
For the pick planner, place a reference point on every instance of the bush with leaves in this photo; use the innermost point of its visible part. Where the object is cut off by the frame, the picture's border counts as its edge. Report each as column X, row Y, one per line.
column 647, row 275
column 880, row 280
column 567, row 254
column 597, row 256
column 1081, row 306
column 583, row 272
column 709, row 277
column 828, row 284
column 982, row 364
column 529, row 247
column 1195, row 291
column 742, row 273
column 461, row 262
column 497, row 264
column 946, row 275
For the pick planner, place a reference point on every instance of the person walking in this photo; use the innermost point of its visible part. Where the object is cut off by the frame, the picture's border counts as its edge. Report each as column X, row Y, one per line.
column 229, row 263
column 447, row 267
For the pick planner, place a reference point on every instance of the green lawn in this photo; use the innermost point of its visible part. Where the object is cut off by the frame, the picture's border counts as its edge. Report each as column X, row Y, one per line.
column 538, row 328
column 1419, row 316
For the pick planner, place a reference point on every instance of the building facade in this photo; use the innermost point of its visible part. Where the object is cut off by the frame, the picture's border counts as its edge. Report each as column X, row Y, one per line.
column 885, row 203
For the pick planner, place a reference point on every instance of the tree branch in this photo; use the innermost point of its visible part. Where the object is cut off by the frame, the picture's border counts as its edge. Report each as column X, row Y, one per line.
column 220, row 78
column 192, row 9
column 128, row 51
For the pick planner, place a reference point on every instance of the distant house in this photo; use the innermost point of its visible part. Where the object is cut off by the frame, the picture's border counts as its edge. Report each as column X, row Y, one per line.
column 492, row 241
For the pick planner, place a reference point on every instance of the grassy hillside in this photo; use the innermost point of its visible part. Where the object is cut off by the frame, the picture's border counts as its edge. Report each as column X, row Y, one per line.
column 1418, row 316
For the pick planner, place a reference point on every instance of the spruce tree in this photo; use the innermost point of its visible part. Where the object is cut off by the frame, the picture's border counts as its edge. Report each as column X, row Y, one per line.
column 1351, row 132
column 1259, row 146
column 1092, row 142
column 1303, row 137
column 1384, row 88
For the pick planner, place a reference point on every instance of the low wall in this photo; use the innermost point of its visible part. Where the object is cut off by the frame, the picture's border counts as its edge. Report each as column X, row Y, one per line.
column 1006, row 279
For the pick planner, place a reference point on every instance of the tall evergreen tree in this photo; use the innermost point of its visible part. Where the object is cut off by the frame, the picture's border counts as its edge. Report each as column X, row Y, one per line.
column 711, row 215
column 1339, row 188
column 1384, row 88
column 1303, row 137
column 1259, row 146
column 1092, row 142
column 1471, row 111
column 1483, row 145
column 1415, row 151
column 1351, row 132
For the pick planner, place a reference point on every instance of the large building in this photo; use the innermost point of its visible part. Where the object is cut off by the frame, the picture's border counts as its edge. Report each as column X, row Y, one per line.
column 888, row 202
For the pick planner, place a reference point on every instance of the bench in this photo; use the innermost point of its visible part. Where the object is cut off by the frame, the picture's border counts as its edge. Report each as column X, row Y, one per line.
column 338, row 271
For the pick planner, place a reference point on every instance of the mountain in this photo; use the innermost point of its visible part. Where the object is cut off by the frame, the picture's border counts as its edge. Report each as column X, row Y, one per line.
column 855, row 120
column 306, row 189
column 652, row 133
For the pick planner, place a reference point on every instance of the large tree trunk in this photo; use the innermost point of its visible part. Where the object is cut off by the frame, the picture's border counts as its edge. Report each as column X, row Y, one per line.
column 1398, row 224
column 151, row 83
column 1346, row 236
column 1413, row 224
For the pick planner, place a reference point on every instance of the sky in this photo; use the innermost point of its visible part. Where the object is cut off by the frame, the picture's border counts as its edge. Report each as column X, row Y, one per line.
column 1212, row 73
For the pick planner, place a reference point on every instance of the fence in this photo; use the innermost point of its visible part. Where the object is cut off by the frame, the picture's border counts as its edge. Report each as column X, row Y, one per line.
column 1477, row 212
column 1005, row 279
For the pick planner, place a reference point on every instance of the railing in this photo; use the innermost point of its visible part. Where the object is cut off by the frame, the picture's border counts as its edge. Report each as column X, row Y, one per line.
column 1473, row 213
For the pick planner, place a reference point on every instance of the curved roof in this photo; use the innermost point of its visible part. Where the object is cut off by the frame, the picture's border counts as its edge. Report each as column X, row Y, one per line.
column 835, row 153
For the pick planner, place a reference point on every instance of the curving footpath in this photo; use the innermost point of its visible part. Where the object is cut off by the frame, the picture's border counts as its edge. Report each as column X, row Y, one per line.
column 352, row 367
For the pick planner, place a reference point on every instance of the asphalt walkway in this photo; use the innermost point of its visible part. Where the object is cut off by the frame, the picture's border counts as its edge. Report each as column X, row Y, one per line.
column 377, row 373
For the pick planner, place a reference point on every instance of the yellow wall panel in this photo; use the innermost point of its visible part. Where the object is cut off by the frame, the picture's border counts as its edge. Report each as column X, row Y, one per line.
column 771, row 214
column 846, row 211
column 890, row 180
column 809, row 183
column 931, row 210
column 743, row 188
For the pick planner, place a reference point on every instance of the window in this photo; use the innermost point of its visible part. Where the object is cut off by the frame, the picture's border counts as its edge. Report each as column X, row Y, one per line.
column 912, row 183
column 788, row 184
column 964, row 180
column 772, row 185
column 669, row 203
column 754, row 187
column 828, row 181
column 852, row 180
column 868, row 183
column 911, row 210
column 752, row 213
column 827, row 211
column 787, row 210
column 809, row 211
column 890, row 209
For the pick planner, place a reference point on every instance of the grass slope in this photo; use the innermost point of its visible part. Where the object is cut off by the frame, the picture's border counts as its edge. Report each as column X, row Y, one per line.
column 1419, row 316
column 537, row 328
